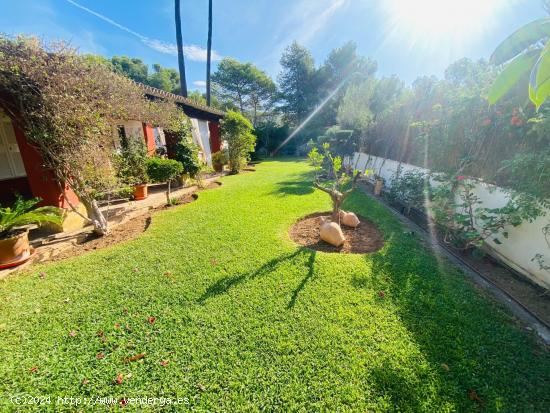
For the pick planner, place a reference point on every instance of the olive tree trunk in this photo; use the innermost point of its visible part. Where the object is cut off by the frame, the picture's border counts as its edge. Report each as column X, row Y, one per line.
column 96, row 217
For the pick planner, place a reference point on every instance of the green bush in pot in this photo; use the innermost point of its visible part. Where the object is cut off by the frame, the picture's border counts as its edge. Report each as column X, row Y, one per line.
column 14, row 240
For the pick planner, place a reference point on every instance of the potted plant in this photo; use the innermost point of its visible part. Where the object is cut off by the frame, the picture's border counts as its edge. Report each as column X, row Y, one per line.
column 219, row 159
column 132, row 165
column 14, row 222
column 164, row 170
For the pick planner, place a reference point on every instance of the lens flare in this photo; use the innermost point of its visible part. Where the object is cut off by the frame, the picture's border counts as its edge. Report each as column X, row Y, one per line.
column 436, row 23
column 310, row 116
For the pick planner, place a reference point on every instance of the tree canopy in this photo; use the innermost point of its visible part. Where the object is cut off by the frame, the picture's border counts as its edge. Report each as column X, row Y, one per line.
column 244, row 86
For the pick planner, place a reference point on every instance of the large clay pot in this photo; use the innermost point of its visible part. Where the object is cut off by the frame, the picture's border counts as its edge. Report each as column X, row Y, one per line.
column 140, row 192
column 14, row 248
column 332, row 233
column 349, row 219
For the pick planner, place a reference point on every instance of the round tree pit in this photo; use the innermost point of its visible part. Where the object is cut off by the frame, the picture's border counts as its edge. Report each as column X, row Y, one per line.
column 361, row 240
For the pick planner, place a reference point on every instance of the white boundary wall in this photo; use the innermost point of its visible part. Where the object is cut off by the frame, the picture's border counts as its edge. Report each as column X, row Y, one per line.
column 523, row 242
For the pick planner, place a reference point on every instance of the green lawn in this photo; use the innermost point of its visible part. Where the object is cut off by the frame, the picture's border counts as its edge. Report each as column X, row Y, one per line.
column 247, row 321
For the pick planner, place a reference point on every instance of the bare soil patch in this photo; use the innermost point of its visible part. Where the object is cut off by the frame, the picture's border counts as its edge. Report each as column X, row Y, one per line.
column 361, row 240
column 124, row 232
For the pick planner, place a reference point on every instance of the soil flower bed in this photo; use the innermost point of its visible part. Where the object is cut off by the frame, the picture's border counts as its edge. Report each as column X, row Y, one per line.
column 363, row 239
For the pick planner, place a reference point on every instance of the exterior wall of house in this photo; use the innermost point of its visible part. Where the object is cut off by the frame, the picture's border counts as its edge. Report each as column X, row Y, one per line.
column 523, row 242
column 38, row 182
column 149, row 135
column 215, row 139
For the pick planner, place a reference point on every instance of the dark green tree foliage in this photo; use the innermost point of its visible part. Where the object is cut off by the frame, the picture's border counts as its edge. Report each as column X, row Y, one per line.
column 165, row 79
column 133, row 68
column 270, row 135
column 298, row 83
column 238, row 132
column 244, row 86
column 161, row 77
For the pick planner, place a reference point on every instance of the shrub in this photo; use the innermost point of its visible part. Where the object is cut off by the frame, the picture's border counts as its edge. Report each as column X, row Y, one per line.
column 23, row 212
column 132, row 161
column 237, row 131
column 164, row 170
column 66, row 104
column 187, row 153
column 220, row 157
column 410, row 188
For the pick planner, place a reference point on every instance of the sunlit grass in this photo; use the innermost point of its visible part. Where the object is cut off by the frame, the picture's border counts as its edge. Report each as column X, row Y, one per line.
column 244, row 320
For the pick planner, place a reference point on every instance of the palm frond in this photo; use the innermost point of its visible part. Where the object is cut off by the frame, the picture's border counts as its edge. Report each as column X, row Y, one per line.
column 23, row 212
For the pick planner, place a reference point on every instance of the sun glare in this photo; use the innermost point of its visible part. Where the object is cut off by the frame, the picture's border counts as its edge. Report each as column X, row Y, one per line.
column 434, row 21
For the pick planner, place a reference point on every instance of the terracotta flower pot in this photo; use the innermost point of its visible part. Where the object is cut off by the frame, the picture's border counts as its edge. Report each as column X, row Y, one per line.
column 140, row 192
column 378, row 187
column 14, row 248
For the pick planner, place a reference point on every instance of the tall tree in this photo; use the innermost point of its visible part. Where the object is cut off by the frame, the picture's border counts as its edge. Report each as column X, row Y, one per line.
column 297, row 83
column 209, row 52
column 245, row 86
column 179, row 40
column 131, row 67
column 342, row 67
column 164, row 78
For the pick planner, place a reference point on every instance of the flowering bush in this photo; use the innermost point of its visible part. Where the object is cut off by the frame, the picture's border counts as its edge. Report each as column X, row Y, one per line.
column 66, row 105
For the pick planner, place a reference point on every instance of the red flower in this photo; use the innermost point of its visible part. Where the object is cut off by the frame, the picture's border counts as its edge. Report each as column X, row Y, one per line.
column 486, row 122
column 516, row 121
column 152, row 320
column 460, row 178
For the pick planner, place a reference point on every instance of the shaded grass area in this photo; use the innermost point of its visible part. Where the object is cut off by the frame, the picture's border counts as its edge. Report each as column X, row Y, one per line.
column 233, row 316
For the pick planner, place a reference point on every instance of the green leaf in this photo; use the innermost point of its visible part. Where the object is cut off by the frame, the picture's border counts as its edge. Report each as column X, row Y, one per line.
column 539, row 80
column 520, row 40
column 511, row 74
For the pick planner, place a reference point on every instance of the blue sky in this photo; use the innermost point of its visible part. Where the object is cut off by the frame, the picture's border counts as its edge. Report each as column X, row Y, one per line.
column 258, row 30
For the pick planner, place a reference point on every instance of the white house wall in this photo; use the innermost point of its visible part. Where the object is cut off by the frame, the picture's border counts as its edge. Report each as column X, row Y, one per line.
column 201, row 136
column 524, row 241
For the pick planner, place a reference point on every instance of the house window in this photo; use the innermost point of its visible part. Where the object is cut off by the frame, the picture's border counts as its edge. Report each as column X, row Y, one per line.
column 11, row 164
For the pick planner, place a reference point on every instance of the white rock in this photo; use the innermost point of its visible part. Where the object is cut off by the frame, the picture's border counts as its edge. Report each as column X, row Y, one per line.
column 332, row 233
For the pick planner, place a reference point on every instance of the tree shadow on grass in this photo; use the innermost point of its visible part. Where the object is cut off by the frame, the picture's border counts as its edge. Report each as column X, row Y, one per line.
column 299, row 184
column 469, row 342
column 224, row 284
column 309, row 276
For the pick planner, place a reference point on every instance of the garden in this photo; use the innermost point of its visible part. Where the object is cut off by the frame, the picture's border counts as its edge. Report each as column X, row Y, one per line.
column 297, row 287
column 206, row 307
